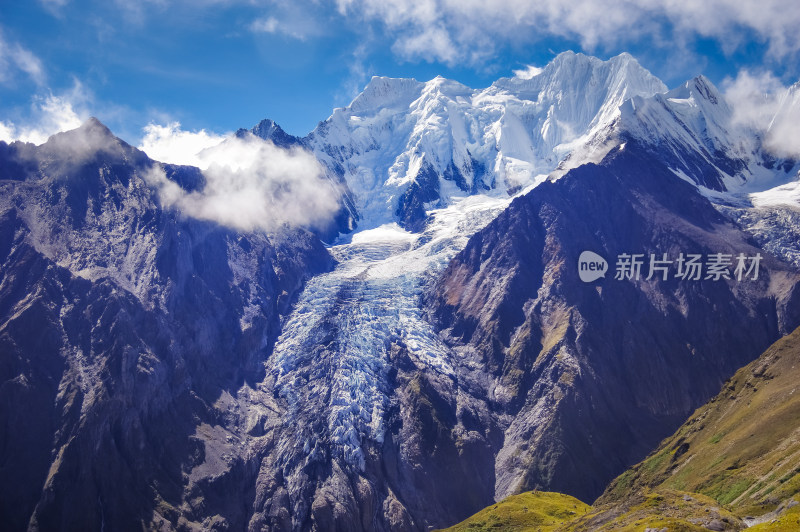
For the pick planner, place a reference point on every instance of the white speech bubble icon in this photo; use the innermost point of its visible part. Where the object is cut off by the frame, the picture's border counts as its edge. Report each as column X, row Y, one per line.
column 591, row 266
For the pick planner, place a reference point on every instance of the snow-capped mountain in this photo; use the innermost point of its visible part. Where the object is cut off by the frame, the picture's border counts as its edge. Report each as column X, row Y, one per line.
column 404, row 147
column 748, row 174
column 437, row 354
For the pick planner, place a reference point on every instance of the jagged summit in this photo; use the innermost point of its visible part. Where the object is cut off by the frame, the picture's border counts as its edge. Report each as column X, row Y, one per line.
column 691, row 130
column 570, row 70
column 91, row 128
column 404, row 146
column 94, row 123
column 700, row 88
column 92, row 140
column 268, row 129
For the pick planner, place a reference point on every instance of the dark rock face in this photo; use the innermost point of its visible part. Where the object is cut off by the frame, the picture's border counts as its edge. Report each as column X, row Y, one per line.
column 268, row 130
column 584, row 379
column 123, row 327
column 411, row 211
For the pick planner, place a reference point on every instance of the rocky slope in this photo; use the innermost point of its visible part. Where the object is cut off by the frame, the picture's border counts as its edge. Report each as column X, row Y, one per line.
column 732, row 465
column 584, row 377
column 123, row 327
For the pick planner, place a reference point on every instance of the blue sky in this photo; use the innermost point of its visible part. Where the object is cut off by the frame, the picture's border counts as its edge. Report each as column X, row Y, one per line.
column 218, row 65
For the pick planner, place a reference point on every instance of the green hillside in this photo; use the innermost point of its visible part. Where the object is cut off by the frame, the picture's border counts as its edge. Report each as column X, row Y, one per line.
column 742, row 448
column 735, row 462
column 532, row 510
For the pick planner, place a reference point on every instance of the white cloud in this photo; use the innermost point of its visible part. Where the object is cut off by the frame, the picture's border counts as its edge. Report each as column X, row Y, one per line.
column 49, row 115
column 253, row 185
column 430, row 43
column 171, row 144
column 528, row 72
column 468, row 30
column 54, row 6
column 762, row 102
column 292, row 19
column 15, row 58
column 266, row 25
column 783, row 135
column 7, row 132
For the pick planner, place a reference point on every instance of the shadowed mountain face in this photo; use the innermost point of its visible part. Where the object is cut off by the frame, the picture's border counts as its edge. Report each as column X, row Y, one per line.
column 586, row 378
column 121, row 326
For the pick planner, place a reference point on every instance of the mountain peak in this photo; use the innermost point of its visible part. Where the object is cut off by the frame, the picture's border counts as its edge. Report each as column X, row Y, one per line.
column 94, row 122
column 268, row 129
column 386, row 92
column 93, row 127
column 699, row 88
column 705, row 87
column 569, row 70
column 446, row 86
column 84, row 141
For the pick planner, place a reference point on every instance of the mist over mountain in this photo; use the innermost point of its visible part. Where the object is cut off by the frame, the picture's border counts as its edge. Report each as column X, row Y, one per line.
column 381, row 325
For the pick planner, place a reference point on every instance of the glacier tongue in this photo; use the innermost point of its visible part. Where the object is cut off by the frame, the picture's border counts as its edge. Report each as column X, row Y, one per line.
column 330, row 361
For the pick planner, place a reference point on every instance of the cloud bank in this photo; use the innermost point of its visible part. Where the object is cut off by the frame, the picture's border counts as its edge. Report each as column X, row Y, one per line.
column 456, row 31
column 171, row 144
column 252, row 185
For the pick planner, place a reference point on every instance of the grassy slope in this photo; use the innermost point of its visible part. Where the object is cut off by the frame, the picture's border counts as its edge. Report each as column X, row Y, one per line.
column 543, row 511
column 738, row 455
column 554, row 512
column 742, row 448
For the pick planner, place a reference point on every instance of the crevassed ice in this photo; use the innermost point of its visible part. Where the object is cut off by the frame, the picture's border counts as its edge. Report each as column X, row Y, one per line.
column 345, row 321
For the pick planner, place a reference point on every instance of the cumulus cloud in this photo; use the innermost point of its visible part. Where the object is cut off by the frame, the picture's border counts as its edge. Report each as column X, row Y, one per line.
column 171, row 144
column 468, row 30
column 49, row 115
column 253, row 185
column 760, row 101
column 428, row 43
